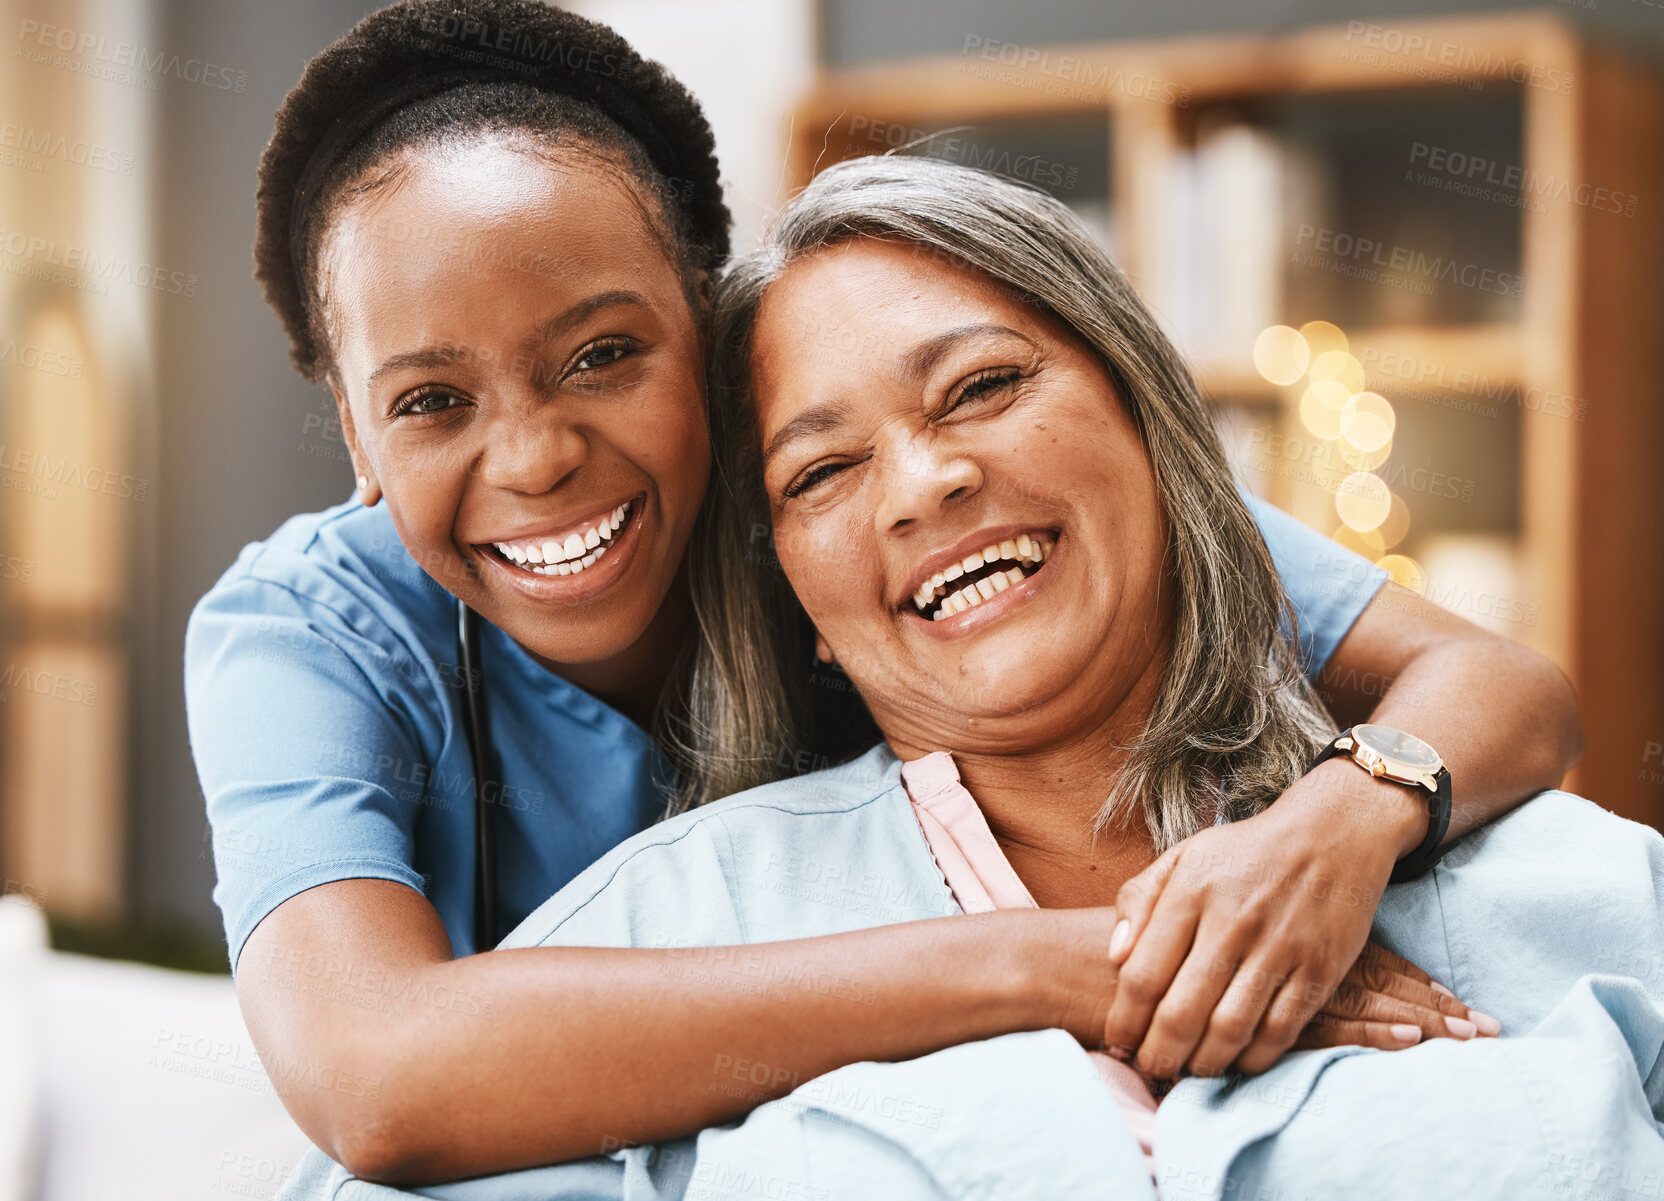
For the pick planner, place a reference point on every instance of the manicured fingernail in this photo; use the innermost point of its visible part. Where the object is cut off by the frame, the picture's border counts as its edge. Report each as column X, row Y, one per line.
column 1485, row 1023
column 1439, row 988
column 1124, row 1054
column 1461, row 1027
column 1407, row 1033
column 1119, row 938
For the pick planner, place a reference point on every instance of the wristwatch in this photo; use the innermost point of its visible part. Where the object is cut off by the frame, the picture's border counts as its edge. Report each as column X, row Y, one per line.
column 1389, row 754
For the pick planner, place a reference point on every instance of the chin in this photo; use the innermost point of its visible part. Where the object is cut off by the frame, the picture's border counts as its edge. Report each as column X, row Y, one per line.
column 1004, row 689
column 572, row 641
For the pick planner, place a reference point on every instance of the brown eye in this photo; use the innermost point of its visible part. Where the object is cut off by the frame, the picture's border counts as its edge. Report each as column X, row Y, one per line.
column 427, row 401
column 604, row 353
column 979, row 387
column 810, row 478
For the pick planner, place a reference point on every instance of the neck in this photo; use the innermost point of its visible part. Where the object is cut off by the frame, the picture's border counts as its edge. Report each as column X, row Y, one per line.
column 633, row 680
column 1042, row 804
column 1043, row 809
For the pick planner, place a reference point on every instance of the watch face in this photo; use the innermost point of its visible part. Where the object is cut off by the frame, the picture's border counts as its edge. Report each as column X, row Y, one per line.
column 1398, row 746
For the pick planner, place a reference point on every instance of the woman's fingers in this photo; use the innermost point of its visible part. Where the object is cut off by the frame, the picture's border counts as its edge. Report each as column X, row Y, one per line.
column 1134, row 903
column 1237, row 1017
column 1383, row 989
column 1291, row 1011
column 1182, row 1016
column 1352, row 1003
column 1146, row 976
column 1352, row 1032
column 1380, row 970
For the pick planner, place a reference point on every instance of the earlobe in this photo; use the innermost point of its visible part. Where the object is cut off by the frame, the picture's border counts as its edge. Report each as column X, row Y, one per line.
column 369, row 492
column 822, row 651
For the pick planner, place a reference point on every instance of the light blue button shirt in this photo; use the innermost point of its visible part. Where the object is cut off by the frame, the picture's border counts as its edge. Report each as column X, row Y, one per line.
column 321, row 681
column 1551, row 919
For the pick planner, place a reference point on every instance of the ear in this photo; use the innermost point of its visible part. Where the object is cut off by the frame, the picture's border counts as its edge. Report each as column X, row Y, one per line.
column 822, row 651
column 369, row 489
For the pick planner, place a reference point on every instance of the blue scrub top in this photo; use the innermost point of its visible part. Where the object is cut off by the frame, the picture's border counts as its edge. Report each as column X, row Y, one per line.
column 326, row 717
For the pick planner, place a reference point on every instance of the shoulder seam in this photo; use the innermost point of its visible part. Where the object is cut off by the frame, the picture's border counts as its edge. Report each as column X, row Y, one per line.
column 305, row 598
column 347, row 623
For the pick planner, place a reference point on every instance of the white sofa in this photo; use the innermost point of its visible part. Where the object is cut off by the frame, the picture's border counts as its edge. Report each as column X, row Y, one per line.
column 120, row 1080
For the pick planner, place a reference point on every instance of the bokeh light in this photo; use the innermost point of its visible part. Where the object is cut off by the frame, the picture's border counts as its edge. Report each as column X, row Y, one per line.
column 1397, row 525
column 1322, row 337
column 1352, row 459
column 1367, row 421
column 1340, row 367
column 1281, row 354
column 1321, row 407
column 1367, row 543
column 1404, row 571
column 1363, row 500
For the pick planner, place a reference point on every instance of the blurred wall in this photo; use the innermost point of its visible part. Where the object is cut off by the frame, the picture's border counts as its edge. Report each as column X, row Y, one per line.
column 748, row 61
column 79, row 289
column 241, row 442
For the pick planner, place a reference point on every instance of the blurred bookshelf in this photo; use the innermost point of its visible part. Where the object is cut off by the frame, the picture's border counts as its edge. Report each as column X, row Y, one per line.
column 1417, row 268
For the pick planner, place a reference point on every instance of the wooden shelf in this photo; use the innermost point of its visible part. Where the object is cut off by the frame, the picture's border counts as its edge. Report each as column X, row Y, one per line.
column 1189, row 73
column 1490, row 356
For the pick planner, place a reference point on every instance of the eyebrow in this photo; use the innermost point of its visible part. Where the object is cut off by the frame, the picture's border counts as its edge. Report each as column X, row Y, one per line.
column 558, row 325
column 821, row 419
column 428, row 356
column 448, row 354
column 922, row 358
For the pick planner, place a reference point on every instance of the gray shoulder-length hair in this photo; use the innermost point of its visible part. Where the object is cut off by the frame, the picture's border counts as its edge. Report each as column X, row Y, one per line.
column 1234, row 722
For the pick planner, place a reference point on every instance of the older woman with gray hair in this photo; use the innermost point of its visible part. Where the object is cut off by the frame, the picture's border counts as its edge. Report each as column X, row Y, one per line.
column 999, row 508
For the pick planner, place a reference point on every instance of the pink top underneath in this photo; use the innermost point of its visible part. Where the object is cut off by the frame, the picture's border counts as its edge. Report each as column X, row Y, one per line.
column 983, row 879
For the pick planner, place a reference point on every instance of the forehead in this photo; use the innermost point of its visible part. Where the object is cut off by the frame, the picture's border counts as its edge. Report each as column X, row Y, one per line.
column 856, row 313
column 484, row 231
column 867, row 296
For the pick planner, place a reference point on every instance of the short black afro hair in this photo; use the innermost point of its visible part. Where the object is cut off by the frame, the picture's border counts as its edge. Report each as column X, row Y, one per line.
column 421, row 70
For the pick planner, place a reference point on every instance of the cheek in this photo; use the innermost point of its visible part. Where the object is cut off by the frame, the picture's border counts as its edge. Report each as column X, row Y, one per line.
column 424, row 506
column 423, row 479
column 668, row 438
column 676, row 454
column 829, row 566
column 421, row 484
column 1087, row 455
column 424, row 513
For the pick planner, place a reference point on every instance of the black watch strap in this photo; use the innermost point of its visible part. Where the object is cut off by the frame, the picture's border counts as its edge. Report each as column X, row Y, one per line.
column 1421, row 860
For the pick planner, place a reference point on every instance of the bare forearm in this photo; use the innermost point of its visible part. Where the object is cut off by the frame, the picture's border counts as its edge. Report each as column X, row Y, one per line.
column 1502, row 717
column 588, row 1049
column 516, row 1058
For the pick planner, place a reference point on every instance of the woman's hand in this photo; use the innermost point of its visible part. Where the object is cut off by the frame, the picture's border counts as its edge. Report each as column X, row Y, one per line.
column 1236, row 938
column 1389, row 1003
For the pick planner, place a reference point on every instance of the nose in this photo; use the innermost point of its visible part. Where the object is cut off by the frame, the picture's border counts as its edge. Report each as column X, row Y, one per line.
column 922, row 476
column 530, row 449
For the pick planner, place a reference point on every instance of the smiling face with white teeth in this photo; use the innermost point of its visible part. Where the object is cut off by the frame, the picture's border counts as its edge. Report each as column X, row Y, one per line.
column 963, row 505
column 529, row 403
